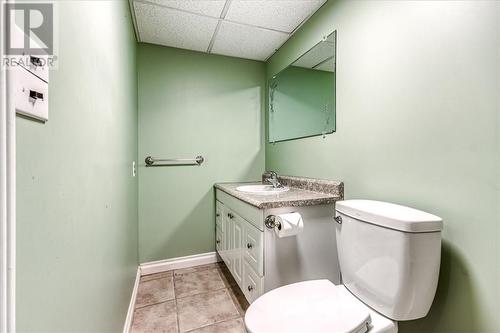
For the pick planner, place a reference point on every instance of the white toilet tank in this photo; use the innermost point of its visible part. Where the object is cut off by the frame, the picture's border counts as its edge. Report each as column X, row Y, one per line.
column 389, row 256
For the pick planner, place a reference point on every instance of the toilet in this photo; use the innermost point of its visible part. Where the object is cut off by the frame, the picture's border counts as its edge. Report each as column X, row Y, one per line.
column 389, row 259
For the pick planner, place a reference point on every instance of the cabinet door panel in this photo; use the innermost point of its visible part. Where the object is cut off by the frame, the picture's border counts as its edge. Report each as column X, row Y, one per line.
column 240, row 244
column 253, row 248
column 219, row 207
column 219, row 229
column 228, row 237
column 218, row 240
column 237, row 253
column 225, row 234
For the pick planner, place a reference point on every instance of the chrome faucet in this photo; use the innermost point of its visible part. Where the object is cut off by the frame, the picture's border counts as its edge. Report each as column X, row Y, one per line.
column 272, row 177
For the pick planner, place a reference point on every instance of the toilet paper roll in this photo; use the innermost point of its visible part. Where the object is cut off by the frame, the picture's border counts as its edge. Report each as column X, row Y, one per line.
column 291, row 224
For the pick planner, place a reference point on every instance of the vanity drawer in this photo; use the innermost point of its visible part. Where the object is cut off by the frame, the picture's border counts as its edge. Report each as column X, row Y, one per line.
column 252, row 283
column 253, row 248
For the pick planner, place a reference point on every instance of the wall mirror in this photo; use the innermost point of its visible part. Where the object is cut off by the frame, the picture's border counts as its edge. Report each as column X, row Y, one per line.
column 302, row 96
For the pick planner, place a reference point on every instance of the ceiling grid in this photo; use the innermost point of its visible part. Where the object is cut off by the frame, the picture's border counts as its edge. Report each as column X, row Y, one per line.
column 250, row 29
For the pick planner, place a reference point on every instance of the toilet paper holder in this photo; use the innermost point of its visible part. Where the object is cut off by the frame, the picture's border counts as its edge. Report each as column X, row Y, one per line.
column 271, row 223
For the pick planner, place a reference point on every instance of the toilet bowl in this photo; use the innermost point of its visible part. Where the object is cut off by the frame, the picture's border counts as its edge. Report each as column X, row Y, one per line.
column 316, row 306
column 389, row 257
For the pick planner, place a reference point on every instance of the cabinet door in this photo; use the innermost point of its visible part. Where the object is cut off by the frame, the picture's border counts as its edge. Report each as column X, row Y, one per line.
column 227, row 237
column 219, row 207
column 237, row 252
column 219, row 229
column 218, row 240
column 253, row 248
column 222, row 233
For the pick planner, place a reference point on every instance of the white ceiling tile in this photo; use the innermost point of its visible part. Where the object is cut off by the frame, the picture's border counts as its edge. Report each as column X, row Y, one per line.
column 282, row 15
column 247, row 42
column 160, row 25
column 204, row 7
column 319, row 53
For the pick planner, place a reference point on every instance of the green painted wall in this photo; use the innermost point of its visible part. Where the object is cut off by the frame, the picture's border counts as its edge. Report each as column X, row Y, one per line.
column 192, row 103
column 77, row 199
column 417, row 123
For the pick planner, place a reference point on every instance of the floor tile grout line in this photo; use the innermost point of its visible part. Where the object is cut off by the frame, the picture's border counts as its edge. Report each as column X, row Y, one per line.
column 173, row 286
column 175, row 301
column 175, row 295
column 215, row 323
column 177, row 316
column 238, row 315
column 158, row 273
column 215, row 266
column 159, row 302
column 203, row 293
column 180, row 269
column 205, row 269
column 156, row 303
column 183, row 297
column 160, row 277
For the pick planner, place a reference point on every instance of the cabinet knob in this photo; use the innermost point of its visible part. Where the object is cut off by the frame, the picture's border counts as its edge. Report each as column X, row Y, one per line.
column 217, row 214
column 230, row 215
column 217, row 241
column 250, row 288
column 249, row 245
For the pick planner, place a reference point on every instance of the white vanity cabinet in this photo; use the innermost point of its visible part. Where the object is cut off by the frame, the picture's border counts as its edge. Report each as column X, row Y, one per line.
column 240, row 244
column 259, row 260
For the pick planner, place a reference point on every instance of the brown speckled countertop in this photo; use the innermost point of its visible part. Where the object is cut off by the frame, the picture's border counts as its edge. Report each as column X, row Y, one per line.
column 303, row 192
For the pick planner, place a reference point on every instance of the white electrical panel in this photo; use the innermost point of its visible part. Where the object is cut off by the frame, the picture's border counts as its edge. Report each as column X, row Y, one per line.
column 30, row 93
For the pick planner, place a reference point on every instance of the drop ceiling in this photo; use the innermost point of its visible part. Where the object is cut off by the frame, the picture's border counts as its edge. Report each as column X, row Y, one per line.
column 251, row 29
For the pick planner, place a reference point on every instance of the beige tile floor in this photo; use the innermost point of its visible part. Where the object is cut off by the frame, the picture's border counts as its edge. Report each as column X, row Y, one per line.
column 202, row 299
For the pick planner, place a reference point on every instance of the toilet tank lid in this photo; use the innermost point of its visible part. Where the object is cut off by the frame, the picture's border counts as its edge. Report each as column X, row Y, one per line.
column 390, row 215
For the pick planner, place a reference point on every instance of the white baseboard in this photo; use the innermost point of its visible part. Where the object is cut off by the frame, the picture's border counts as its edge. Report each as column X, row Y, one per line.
column 178, row 263
column 130, row 313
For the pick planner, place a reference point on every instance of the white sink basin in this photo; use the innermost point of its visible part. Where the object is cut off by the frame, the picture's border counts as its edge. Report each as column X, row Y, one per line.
column 261, row 189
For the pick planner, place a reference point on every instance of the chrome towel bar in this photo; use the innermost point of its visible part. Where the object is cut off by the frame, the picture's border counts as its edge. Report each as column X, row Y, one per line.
column 151, row 162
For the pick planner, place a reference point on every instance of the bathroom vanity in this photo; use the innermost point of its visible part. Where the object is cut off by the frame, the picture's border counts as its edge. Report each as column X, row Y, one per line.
column 257, row 258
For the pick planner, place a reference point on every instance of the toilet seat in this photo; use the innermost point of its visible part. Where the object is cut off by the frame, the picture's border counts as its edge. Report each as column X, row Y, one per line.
column 316, row 306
